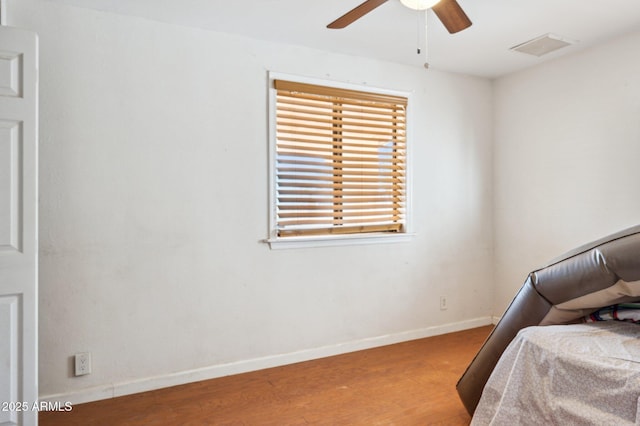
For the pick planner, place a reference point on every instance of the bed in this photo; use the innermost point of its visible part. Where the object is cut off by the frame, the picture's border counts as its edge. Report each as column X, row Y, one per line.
column 579, row 374
column 546, row 321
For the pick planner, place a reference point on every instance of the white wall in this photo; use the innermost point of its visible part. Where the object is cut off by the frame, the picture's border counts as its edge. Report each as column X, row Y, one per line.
column 152, row 261
column 567, row 144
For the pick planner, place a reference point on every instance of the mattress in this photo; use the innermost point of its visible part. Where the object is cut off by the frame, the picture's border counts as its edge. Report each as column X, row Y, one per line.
column 579, row 374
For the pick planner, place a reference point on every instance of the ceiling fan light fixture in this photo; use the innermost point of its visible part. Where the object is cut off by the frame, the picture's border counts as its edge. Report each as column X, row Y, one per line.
column 419, row 4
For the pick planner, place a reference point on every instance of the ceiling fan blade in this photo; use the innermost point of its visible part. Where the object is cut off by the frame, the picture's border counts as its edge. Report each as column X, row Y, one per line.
column 452, row 16
column 356, row 13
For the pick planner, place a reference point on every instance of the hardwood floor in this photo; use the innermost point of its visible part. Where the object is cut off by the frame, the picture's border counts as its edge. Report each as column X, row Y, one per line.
column 411, row 383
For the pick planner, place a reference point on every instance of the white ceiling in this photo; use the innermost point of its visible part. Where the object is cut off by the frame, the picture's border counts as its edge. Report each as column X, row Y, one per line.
column 390, row 32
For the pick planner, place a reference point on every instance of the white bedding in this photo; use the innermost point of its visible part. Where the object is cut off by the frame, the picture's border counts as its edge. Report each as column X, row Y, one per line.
column 581, row 374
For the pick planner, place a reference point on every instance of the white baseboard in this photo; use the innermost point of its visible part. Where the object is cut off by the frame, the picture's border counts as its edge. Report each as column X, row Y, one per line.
column 152, row 383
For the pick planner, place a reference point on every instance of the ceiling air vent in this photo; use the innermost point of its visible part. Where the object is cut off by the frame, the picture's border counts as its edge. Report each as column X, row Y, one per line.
column 542, row 45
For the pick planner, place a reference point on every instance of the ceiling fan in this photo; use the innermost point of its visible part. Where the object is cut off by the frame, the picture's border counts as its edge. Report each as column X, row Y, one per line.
column 448, row 11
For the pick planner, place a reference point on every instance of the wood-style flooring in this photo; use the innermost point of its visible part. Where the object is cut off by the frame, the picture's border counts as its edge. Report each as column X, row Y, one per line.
column 410, row 383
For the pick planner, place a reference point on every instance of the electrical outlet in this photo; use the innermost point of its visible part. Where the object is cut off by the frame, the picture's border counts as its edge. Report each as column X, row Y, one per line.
column 83, row 363
column 443, row 303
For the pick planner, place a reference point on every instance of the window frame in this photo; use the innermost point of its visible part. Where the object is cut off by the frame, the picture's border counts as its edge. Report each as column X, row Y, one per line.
column 284, row 242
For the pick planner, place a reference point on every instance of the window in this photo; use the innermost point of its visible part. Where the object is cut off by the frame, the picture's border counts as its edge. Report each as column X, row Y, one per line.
column 338, row 162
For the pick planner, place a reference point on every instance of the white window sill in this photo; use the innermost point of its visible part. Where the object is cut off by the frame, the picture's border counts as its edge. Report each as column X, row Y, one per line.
column 336, row 240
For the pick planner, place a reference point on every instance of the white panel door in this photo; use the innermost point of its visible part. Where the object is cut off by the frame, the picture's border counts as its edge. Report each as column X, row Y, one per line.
column 18, row 227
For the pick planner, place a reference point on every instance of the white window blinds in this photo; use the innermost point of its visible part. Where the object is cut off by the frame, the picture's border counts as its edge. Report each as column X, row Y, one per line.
column 340, row 161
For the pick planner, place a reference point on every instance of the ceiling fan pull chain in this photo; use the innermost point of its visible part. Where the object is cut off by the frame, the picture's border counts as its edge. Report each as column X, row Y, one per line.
column 418, row 29
column 426, row 39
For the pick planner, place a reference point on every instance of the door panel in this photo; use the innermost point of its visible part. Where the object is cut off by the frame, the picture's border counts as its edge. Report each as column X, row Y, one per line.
column 18, row 227
column 10, row 74
column 10, row 184
column 9, row 357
